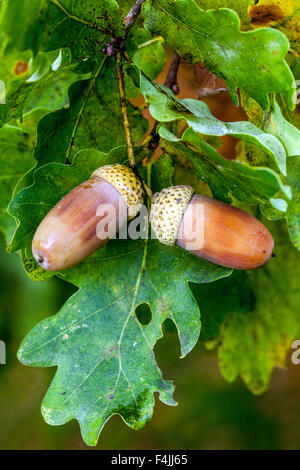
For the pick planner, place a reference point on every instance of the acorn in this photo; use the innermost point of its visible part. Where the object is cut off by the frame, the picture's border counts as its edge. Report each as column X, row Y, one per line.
column 87, row 217
column 210, row 229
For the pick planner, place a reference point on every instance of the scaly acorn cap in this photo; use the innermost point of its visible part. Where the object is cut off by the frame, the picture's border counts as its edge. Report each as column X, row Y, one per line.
column 126, row 182
column 167, row 211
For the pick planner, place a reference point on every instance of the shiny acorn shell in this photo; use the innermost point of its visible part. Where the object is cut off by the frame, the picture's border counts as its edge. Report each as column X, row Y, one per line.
column 68, row 234
column 219, row 233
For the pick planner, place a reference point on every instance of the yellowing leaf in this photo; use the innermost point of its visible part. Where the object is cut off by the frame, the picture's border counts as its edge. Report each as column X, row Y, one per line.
column 282, row 14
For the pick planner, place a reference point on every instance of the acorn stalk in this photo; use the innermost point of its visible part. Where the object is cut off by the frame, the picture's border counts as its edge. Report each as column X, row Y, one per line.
column 210, row 229
column 87, row 217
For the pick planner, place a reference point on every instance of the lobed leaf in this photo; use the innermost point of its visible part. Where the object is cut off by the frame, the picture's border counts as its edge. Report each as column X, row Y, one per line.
column 239, row 6
column 92, row 119
column 253, row 61
column 293, row 211
column 226, row 178
column 104, row 354
column 47, row 25
column 288, row 134
column 235, row 295
column 17, row 143
column 252, row 345
column 147, row 52
column 164, row 107
column 46, row 78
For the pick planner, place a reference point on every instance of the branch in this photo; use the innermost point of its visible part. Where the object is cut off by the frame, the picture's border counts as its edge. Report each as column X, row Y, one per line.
column 171, row 80
column 132, row 15
column 118, row 44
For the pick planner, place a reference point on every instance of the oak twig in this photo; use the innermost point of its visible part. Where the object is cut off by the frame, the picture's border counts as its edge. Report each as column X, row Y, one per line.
column 117, row 44
column 129, row 144
column 120, row 78
column 132, row 15
column 171, row 80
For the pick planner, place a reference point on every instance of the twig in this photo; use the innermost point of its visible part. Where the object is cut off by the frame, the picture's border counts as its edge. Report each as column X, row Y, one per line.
column 153, row 139
column 132, row 15
column 171, row 80
column 120, row 78
column 117, row 44
column 293, row 52
column 129, row 144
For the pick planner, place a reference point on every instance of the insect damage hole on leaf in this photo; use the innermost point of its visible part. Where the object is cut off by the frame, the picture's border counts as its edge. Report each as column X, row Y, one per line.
column 143, row 314
column 131, row 292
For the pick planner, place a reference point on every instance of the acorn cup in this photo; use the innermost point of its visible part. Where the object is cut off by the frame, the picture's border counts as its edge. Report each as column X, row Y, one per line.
column 87, row 217
column 210, row 229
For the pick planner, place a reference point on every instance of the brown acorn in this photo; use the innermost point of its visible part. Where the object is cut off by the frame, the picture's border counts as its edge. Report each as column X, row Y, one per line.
column 210, row 229
column 71, row 230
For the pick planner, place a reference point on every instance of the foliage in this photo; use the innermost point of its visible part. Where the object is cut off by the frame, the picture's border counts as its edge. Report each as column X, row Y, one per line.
column 62, row 119
column 252, row 61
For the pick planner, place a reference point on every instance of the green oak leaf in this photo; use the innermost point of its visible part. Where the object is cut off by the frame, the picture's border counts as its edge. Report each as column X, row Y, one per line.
column 290, row 137
column 235, row 295
column 294, row 117
column 163, row 174
column 288, row 134
column 146, row 51
column 252, row 345
column 15, row 67
column 226, row 178
column 53, row 94
column 51, row 75
column 92, row 119
column 164, row 107
column 81, row 26
column 239, row 6
column 104, row 355
column 293, row 211
column 253, row 61
column 17, row 143
column 125, row 5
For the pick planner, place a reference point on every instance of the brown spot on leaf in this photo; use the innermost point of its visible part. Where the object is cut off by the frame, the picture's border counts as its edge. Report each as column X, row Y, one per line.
column 20, row 68
column 264, row 14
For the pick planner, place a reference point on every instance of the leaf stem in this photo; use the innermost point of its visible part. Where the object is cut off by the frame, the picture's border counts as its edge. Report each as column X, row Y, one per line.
column 120, row 78
column 171, row 80
column 129, row 144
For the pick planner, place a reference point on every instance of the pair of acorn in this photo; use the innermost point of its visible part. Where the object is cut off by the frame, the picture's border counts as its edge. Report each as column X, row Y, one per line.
column 229, row 237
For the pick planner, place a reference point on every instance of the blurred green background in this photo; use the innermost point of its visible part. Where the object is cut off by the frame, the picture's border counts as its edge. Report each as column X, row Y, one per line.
column 211, row 413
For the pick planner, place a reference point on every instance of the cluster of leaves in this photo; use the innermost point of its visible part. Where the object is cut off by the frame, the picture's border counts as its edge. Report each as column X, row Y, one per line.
column 62, row 120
